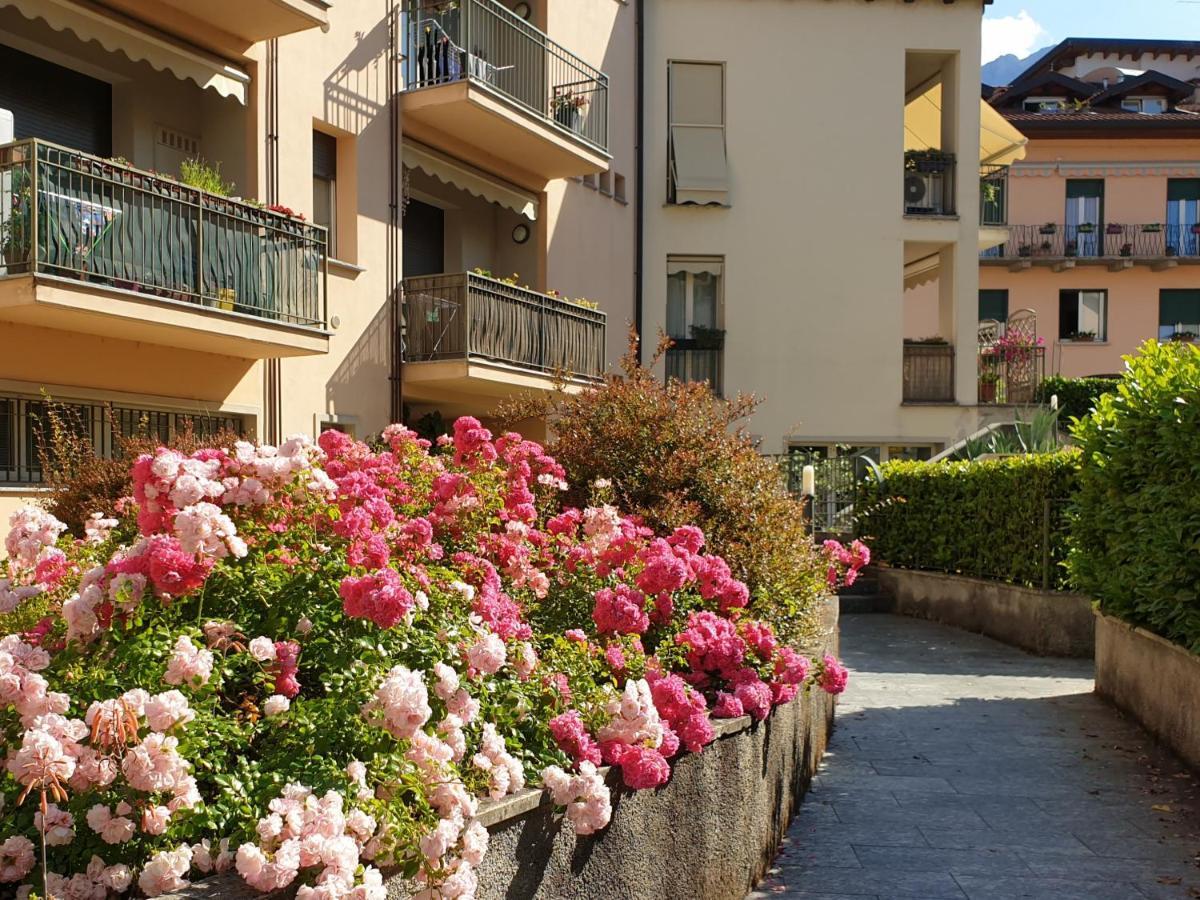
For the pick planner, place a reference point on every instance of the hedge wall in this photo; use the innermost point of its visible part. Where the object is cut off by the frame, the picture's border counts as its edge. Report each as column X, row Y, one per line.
column 1136, row 524
column 986, row 518
column 1076, row 396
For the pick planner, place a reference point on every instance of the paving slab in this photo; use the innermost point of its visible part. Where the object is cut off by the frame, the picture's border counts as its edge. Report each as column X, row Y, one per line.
column 963, row 768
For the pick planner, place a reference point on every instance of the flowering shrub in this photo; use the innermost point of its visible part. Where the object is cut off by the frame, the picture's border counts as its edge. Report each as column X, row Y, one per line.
column 310, row 662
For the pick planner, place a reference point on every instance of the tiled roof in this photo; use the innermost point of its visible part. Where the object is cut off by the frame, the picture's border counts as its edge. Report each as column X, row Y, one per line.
column 1102, row 116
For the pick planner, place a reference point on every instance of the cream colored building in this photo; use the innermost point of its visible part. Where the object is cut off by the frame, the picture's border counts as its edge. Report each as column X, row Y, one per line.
column 429, row 139
column 776, row 218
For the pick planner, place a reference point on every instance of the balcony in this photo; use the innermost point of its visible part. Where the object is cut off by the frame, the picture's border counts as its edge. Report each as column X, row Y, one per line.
column 928, row 372
column 95, row 247
column 485, row 85
column 473, row 336
column 1113, row 245
column 928, row 183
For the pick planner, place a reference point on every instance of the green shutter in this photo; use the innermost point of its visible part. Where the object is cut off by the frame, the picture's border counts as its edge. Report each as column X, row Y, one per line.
column 993, row 304
column 1085, row 187
column 1183, row 189
column 1178, row 307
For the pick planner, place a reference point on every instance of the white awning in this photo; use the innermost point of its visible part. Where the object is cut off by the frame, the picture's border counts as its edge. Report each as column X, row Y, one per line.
column 697, row 265
column 701, row 173
column 473, row 181
column 141, row 43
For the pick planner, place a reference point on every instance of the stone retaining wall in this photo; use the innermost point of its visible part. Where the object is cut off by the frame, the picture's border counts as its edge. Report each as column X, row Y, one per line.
column 1047, row 623
column 710, row 833
column 1153, row 680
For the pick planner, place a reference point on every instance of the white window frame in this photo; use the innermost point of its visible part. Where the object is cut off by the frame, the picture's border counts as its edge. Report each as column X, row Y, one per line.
column 1045, row 104
column 1102, row 331
column 672, row 123
column 1138, row 104
column 689, row 293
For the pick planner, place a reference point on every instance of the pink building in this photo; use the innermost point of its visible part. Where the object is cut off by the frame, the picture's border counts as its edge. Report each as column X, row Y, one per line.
column 1103, row 213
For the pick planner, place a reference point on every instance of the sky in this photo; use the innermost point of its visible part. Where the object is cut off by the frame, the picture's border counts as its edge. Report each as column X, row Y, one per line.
column 1022, row 26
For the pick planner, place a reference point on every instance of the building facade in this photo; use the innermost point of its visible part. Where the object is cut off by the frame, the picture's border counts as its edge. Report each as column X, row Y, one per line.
column 788, row 205
column 472, row 157
column 1104, row 211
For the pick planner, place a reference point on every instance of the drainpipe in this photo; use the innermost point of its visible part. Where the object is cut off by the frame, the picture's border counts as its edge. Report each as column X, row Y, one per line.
column 638, row 169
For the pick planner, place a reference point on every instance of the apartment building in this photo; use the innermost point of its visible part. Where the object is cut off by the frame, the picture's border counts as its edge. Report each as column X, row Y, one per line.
column 1103, row 250
column 804, row 162
column 405, row 185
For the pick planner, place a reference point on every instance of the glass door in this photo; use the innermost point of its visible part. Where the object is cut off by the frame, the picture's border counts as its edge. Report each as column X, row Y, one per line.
column 1183, row 215
column 1085, row 217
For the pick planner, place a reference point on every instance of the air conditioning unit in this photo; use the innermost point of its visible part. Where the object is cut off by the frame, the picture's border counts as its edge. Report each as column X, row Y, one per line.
column 922, row 192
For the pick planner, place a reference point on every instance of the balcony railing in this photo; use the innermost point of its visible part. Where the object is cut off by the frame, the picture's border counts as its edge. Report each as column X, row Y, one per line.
column 1010, row 374
column 72, row 215
column 928, row 373
column 928, row 183
column 471, row 316
column 484, row 42
column 1112, row 241
column 993, row 195
column 698, row 359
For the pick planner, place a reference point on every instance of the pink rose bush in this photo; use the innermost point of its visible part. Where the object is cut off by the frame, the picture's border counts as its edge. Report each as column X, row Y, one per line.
column 310, row 663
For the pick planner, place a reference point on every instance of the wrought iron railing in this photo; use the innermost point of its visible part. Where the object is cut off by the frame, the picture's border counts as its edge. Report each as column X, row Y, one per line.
column 928, row 183
column 836, row 484
column 928, row 373
column 1010, row 374
column 484, row 42
column 26, row 429
column 993, row 195
column 72, row 215
column 467, row 315
column 698, row 359
column 1058, row 241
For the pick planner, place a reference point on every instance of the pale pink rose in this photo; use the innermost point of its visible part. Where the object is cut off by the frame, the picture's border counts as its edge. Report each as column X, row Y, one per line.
column 275, row 705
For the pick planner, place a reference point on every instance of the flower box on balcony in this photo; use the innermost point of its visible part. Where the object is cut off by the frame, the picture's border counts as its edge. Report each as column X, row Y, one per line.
column 1152, row 228
column 1048, row 228
column 1087, row 228
column 987, row 388
column 1113, row 228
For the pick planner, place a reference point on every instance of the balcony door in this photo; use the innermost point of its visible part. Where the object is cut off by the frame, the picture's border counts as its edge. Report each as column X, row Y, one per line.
column 1085, row 216
column 424, row 239
column 1183, row 215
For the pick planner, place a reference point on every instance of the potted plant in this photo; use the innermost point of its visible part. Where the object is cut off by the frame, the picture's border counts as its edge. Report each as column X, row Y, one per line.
column 1082, row 337
column 1072, row 248
column 928, row 162
column 1184, row 336
column 1126, row 249
column 1045, row 248
column 568, row 107
column 988, row 379
column 1113, row 228
column 1087, row 228
column 1048, row 228
column 708, row 338
column 1172, row 250
column 1024, row 250
column 1195, row 229
column 935, row 340
column 1152, row 228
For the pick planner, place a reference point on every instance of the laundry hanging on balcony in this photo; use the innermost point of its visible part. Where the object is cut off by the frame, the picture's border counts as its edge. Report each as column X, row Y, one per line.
column 141, row 43
column 460, row 175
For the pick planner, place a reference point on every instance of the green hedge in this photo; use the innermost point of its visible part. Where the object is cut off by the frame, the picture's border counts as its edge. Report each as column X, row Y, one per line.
column 1076, row 396
column 986, row 518
column 1135, row 528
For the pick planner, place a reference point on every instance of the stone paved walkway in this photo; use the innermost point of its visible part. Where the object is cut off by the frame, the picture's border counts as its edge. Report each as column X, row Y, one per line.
column 963, row 768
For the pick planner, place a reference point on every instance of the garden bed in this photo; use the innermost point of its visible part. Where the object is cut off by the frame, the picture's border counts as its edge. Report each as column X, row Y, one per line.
column 710, row 832
column 1047, row 623
column 1153, row 680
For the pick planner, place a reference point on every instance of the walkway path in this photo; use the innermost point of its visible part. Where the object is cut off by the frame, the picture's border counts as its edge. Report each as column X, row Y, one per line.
column 963, row 768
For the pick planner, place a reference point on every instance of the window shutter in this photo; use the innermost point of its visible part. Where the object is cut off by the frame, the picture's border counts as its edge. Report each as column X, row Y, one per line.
column 324, row 156
column 697, row 94
column 993, row 304
column 1177, row 307
column 1183, row 189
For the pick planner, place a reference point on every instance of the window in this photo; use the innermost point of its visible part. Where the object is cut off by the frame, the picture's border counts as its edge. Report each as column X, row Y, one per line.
column 697, row 170
column 1183, row 215
column 325, row 186
column 1083, row 315
column 694, row 317
column 993, row 304
column 1044, row 104
column 619, row 188
column 1149, row 105
column 1178, row 314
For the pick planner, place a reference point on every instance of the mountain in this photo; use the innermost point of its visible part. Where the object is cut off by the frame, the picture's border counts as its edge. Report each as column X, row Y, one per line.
column 1004, row 69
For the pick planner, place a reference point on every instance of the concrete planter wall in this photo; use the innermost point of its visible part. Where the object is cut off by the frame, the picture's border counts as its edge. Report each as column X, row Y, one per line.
column 711, row 832
column 1046, row 623
column 1153, row 680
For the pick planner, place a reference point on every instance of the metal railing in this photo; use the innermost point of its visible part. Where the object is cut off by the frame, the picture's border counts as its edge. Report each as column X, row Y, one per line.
column 72, row 215
column 484, row 42
column 928, row 373
column 467, row 315
column 26, row 430
column 993, row 195
column 837, row 482
column 928, row 183
column 1057, row 241
column 688, row 359
column 1010, row 375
